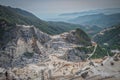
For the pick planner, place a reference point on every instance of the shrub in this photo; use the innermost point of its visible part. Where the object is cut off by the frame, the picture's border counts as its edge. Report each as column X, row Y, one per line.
column 28, row 54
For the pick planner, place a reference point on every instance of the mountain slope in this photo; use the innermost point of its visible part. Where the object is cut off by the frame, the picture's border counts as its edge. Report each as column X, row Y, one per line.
column 60, row 27
column 18, row 16
column 111, row 36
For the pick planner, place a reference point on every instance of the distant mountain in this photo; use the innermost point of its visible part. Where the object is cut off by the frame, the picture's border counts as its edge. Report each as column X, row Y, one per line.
column 18, row 16
column 86, row 18
column 69, row 16
column 101, row 20
column 93, row 21
column 90, row 12
column 110, row 36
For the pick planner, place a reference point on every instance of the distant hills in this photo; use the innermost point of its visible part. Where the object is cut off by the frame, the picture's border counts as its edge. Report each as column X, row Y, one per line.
column 70, row 16
column 106, row 11
column 93, row 21
column 101, row 20
column 86, row 18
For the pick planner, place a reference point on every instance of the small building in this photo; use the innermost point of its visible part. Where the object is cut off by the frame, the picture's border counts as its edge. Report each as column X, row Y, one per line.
column 106, row 44
column 115, row 51
column 93, row 43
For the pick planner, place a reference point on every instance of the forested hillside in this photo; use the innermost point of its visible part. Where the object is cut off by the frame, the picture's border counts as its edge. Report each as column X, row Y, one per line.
column 18, row 16
column 110, row 36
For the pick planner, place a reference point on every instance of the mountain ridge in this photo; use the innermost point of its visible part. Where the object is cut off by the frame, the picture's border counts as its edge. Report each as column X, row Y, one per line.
column 97, row 11
column 101, row 20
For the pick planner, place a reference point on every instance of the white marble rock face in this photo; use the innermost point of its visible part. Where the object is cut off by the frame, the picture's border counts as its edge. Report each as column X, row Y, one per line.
column 34, row 55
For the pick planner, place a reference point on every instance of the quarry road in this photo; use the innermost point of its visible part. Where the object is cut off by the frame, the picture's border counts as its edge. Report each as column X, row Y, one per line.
column 92, row 52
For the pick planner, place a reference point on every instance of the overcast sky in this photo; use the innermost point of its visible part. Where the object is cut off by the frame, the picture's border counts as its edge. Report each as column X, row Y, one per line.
column 46, row 8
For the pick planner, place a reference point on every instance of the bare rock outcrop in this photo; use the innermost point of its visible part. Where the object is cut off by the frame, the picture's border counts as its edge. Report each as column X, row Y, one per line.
column 22, row 42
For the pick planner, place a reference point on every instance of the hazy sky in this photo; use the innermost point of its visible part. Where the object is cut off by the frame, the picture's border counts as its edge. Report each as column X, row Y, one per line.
column 47, row 8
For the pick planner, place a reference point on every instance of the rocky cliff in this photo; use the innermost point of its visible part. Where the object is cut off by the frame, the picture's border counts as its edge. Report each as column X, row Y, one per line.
column 21, row 43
